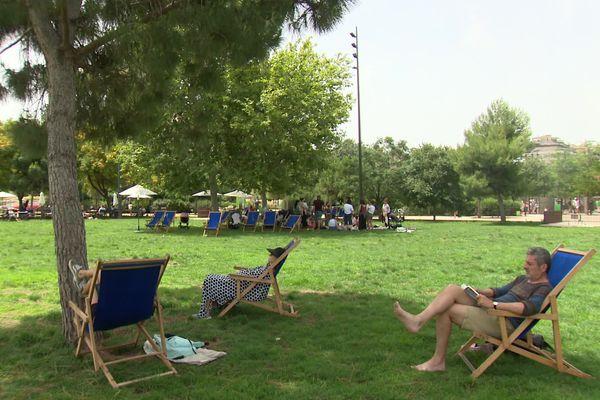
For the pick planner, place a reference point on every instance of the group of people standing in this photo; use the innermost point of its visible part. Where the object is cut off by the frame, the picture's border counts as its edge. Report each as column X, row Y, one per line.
column 360, row 218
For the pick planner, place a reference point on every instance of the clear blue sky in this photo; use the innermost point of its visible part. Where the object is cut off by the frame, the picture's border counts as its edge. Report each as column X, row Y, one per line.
column 430, row 67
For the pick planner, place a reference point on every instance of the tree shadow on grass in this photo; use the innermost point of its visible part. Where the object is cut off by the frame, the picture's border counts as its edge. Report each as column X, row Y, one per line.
column 343, row 345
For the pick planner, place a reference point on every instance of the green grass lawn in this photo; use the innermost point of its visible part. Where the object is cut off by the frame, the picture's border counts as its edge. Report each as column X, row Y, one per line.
column 346, row 344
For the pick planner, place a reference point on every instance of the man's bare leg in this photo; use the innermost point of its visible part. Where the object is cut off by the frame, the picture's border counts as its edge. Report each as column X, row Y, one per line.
column 451, row 295
column 443, row 330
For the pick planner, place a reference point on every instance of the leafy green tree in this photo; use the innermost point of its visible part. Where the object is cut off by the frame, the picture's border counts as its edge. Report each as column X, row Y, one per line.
column 494, row 147
column 563, row 171
column 536, row 177
column 430, row 179
column 340, row 177
column 381, row 164
column 24, row 169
column 140, row 40
column 293, row 117
column 587, row 181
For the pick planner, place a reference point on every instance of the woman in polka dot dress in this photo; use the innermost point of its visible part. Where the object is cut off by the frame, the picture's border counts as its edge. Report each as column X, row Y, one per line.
column 219, row 290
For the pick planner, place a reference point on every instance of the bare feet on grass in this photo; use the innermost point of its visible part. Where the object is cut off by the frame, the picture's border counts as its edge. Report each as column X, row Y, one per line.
column 410, row 322
column 431, row 366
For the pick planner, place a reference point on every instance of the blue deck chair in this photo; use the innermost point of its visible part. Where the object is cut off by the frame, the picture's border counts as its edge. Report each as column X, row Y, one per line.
column 167, row 220
column 270, row 220
column 213, row 223
column 564, row 265
column 252, row 220
column 127, row 294
column 156, row 218
column 244, row 284
column 291, row 223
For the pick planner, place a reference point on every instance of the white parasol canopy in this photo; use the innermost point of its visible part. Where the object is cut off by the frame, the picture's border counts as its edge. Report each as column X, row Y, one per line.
column 115, row 200
column 137, row 192
column 6, row 195
column 42, row 199
column 237, row 193
column 204, row 193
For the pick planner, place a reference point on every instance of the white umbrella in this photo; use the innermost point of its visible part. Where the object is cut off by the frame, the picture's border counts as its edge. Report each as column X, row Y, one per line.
column 138, row 192
column 6, row 195
column 115, row 201
column 42, row 199
column 204, row 193
column 237, row 193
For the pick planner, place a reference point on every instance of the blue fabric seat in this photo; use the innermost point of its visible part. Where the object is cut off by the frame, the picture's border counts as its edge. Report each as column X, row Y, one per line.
column 252, row 220
column 213, row 223
column 156, row 218
column 291, row 223
column 270, row 220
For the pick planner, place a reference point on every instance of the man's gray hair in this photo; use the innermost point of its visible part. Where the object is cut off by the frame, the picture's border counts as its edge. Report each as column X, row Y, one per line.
column 542, row 256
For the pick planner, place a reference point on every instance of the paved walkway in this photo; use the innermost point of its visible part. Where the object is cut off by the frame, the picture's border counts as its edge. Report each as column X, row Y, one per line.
column 568, row 220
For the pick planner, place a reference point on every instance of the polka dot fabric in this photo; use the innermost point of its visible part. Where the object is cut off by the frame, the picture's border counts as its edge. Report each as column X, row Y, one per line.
column 221, row 289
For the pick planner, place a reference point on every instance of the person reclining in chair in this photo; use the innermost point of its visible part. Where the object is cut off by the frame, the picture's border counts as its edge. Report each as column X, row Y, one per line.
column 219, row 290
column 523, row 296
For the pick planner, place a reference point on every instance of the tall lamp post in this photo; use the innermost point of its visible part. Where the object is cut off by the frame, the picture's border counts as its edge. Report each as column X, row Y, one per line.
column 360, row 170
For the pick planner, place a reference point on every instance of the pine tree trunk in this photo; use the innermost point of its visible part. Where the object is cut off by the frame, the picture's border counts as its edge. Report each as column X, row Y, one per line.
column 67, row 218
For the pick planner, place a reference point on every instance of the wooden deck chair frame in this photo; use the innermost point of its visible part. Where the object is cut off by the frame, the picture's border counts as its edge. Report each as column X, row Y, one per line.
column 84, row 323
column 274, row 221
column 224, row 219
column 526, row 348
column 296, row 224
column 216, row 230
column 267, row 277
column 244, row 225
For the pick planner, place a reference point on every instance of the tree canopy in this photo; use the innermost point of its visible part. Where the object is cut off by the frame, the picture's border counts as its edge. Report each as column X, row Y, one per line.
column 494, row 148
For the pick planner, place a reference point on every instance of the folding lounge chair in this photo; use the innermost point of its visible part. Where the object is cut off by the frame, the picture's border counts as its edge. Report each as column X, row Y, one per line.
column 269, row 277
column 565, row 264
column 156, row 218
column 252, row 220
column 167, row 220
column 127, row 293
column 213, row 223
column 291, row 223
column 270, row 220
column 224, row 218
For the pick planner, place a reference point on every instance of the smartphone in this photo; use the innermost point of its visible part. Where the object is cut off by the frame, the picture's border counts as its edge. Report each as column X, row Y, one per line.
column 470, row 291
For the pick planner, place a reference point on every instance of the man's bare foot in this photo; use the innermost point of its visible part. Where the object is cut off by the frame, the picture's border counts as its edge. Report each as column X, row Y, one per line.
column 410, row 321
column 431, row 366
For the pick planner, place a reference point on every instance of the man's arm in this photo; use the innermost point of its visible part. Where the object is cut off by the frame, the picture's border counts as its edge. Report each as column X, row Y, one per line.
column 486, row 302
column 489, row 292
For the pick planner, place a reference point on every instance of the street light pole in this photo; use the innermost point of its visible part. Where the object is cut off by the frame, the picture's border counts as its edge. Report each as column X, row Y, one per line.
column 360, row 169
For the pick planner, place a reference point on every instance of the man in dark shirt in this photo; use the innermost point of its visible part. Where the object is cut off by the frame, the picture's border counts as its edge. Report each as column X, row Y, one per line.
column 318, row 209
column 523, row 296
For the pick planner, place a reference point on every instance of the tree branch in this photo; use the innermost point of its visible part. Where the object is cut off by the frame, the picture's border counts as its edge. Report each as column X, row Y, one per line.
column 109, row 36
column 17, row 40
column 44, row 32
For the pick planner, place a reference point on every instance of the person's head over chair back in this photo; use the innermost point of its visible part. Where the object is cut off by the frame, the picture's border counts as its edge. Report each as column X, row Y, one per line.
column 277, row 252
column 274, row 254
column 537, row 264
